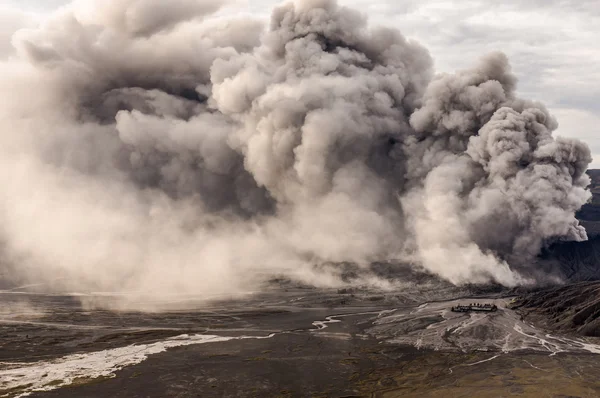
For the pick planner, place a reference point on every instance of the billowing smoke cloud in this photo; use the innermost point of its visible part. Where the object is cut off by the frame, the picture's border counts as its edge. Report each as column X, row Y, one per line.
column 155, row 147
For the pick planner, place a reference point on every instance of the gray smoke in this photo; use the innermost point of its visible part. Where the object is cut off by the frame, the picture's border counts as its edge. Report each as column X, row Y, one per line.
column 155, row 147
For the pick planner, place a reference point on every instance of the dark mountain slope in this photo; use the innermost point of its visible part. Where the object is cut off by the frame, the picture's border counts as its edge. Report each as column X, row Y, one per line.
column 574, row 261
column 579, row 261
column 571, row 308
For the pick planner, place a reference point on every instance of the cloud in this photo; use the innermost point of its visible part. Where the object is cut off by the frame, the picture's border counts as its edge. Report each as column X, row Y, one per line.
column 11, row 20
column 551, row 45
column 582, row 124
column 171, row 150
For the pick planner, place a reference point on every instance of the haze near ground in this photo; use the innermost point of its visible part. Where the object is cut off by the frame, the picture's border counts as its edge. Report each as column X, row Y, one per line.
column 161, row 149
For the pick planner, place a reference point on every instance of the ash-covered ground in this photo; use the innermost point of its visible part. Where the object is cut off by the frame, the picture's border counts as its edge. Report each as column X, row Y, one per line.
column 292, row 341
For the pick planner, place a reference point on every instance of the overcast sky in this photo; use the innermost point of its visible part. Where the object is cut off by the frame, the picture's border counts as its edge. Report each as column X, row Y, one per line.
column 552, row 44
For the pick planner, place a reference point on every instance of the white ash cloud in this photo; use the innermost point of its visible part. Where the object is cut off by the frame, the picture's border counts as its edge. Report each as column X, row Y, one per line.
column 167, row 150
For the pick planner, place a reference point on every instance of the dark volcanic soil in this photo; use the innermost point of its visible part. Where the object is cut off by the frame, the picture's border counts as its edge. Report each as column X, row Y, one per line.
column 573, row 308
column 293, row 365
column 292, row 342
column 290, row 364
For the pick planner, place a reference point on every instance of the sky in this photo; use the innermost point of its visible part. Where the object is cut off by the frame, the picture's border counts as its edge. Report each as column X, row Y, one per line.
column 552, row 44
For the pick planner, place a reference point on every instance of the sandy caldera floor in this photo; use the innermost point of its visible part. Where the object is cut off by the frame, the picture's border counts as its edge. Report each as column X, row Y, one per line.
column 289, row 343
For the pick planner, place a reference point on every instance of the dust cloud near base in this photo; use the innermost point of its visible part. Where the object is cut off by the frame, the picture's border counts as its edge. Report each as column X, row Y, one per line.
column 156, row 150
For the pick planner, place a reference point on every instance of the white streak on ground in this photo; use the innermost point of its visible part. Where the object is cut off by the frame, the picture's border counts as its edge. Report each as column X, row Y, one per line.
column 593, row 348
column 505, row 347
column 50, row 375
column 320, row 325
column 474, row 363
column 485, row 360
column 473, row 319
column 419, row 308
column 533, row 366
column 544, row 343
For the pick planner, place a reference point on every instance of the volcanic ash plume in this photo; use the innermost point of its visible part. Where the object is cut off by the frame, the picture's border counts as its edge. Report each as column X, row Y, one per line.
column 167, row 149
